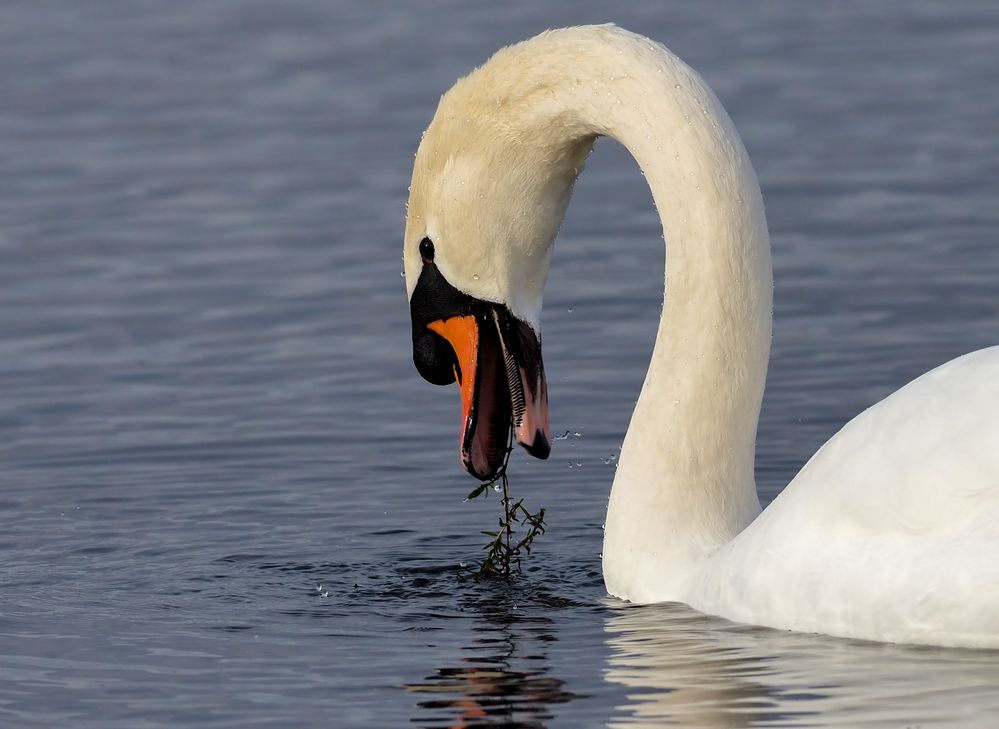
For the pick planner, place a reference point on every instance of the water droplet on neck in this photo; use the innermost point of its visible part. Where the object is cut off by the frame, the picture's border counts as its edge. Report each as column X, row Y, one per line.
column 475, row 277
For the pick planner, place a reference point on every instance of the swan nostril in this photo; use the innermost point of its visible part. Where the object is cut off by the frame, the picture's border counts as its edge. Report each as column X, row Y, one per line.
column 427, row 249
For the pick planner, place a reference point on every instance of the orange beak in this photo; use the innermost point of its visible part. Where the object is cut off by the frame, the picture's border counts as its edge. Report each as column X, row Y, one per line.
column 485, row 396
column 462, row 332
column 500, row 388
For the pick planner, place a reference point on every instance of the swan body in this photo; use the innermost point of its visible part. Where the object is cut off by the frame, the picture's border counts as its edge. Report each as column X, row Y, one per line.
column 890, row 532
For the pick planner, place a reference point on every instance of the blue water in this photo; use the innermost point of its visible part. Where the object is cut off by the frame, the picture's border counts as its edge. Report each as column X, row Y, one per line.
column 228, row 500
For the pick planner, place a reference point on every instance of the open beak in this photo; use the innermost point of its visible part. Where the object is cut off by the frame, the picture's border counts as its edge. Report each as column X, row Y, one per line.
column 501, row 378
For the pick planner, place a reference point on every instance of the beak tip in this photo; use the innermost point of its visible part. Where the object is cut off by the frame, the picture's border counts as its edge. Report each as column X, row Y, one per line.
column 540, row 447
column 471, row 470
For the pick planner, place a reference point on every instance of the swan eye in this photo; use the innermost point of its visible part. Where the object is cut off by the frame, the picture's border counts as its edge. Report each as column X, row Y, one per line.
column 427, row 249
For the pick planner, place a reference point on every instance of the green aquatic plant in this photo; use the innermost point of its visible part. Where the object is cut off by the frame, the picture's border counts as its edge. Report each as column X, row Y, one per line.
column 504, row 550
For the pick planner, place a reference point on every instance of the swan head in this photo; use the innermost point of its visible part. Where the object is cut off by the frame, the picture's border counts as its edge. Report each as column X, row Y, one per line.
column 491, row 182
column 496, row 360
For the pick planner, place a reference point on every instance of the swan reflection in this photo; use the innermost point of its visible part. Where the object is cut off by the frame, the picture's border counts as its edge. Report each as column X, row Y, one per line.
column 684, row 668
column 502, row 681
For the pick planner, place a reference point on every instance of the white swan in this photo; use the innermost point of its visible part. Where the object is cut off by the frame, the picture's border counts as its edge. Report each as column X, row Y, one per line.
column 890, row 532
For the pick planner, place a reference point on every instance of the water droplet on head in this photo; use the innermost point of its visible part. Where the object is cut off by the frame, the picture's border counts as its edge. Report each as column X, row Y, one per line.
column 475, row 277
column 569, row 309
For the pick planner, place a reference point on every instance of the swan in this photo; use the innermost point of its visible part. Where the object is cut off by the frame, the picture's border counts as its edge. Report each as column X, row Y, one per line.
column 890, row 532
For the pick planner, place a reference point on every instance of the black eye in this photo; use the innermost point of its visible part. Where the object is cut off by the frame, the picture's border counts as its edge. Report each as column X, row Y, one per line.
column 427, row 249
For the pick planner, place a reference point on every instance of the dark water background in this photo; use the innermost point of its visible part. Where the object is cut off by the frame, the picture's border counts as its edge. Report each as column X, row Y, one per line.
column 227, row 499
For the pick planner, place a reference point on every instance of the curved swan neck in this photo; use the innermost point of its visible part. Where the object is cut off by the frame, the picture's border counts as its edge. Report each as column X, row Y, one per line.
column 514, row 134
column 685, row 482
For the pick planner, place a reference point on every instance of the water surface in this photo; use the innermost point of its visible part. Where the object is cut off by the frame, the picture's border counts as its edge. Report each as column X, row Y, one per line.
column 228, row 500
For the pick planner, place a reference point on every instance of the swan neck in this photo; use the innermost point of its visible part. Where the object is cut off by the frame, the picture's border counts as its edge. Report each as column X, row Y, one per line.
column 685, row 484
